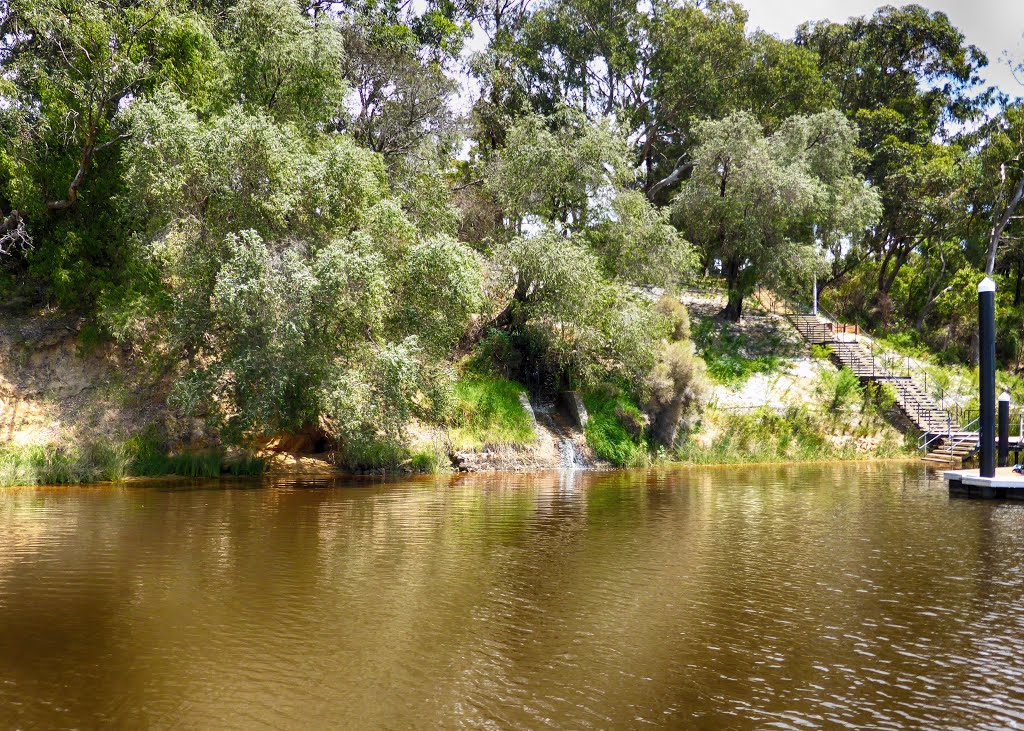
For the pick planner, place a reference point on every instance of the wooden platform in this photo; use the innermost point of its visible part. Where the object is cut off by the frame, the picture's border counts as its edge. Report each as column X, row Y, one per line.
column 968, row 483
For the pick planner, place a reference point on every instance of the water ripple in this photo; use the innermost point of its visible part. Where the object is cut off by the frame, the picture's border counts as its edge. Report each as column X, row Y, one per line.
column 783, row 597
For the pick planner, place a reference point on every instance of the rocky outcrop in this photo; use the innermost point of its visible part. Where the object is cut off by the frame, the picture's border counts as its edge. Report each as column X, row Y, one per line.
column 55, row 391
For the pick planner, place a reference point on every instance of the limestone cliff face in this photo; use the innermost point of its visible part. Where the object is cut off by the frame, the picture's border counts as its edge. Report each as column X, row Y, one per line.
column 53, row 392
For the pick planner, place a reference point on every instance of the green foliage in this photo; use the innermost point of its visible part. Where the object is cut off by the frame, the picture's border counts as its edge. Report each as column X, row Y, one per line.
column 725, row 354
column 366, row 405
column 489, row 413
column 882, row 396
column 281, row 63
column 141, row 455
column 821, row 352
column 38, row 465
column 607, row 432
column 677, row 387
column 430, row 461
column 556, row 175
column 905, row 343
column 496, row 353
column 584, row 328
column 798, row 435
column 637, row 242
column 279, row 204
column 302, row 295
column 239, row 170
column 760, row 203
column 677, row 315
column 840, row 388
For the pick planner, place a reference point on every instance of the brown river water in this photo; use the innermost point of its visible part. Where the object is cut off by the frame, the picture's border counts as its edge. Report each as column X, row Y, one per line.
column 820, row 596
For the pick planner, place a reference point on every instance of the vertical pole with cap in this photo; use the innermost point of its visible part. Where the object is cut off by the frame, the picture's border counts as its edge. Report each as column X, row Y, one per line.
column 987, row 375
column 1004, row 428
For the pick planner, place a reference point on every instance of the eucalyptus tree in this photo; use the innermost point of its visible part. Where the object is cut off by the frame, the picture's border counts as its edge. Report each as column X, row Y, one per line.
column 70, row 68
column 1002, row 158
column 498, row 68
column 283, row 62
column 554, row 170
column 909, row 80
column 763, row 205
column 400, row 64
column 704, row 64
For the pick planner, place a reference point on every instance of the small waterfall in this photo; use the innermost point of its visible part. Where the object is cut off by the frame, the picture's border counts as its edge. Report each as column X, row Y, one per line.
column 569, row 454
column 570, row 459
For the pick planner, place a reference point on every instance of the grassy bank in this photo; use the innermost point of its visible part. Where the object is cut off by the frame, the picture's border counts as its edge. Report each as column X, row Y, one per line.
column 615, row 430
column 113, row 461
column 490, row 414
column 796, row 435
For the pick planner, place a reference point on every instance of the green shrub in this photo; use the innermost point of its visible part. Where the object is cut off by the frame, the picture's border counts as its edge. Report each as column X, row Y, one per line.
column 839, row 388
column 430, row 461
column 906, row 343
column 821, row 352
column 496, row 354
column 677, row 386
column 885, row 396
column 678, row 317
column 608, row 436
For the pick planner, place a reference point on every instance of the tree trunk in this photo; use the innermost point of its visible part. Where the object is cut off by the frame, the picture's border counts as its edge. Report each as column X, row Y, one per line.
column 1000, row 224
column 932, row 296
column 733, row 309
column 1017, row 287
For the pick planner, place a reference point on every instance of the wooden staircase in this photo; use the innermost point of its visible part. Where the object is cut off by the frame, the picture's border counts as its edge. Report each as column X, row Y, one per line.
column 942, row 440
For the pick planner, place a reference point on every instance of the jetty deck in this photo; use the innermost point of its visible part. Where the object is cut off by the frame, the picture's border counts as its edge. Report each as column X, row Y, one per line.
column 968, row 483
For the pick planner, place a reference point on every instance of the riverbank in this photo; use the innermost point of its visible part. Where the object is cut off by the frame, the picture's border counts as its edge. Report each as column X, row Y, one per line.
column 37, row 466
column 76, row 409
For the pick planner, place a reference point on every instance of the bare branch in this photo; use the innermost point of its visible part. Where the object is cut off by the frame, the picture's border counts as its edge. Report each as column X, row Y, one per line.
column 13, row 235
column 682, row 168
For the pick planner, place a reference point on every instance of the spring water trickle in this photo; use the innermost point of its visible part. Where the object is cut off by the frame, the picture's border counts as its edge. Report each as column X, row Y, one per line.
column 569, row 454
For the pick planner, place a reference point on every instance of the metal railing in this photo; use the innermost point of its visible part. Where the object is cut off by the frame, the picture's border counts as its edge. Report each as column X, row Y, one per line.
column 922, row 399
column 912, row 397
column 952, row 439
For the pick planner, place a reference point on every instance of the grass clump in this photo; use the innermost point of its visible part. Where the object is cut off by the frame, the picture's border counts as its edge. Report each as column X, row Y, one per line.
column 430, row 461
column 798, row 434
column 615, row 430
column 727, row 354
column 43, row 465
column 144, row 455
column 840, row 388
column 112, row 461
column 490, row 413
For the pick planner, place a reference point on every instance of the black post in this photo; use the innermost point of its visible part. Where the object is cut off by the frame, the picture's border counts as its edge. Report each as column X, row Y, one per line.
column 987, row 375
column 1004, row 428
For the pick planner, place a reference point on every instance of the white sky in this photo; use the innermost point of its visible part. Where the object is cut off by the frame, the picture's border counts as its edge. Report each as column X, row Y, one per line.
column 994, row 26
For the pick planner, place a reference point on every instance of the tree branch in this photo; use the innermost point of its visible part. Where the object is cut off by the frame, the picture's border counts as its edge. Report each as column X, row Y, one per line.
column 88, row 152
column 1000, row 224
column 681, row 169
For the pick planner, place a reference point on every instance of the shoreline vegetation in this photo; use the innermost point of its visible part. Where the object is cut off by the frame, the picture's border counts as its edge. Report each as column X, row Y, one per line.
column 28, row 469
column 249, row 236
